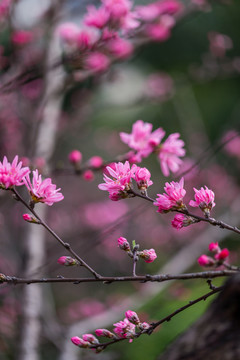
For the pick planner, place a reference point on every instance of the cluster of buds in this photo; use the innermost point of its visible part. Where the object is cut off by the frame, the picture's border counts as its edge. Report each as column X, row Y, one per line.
column 128, row 328
column 147, row 255
column 95, row 162
column 218, row 259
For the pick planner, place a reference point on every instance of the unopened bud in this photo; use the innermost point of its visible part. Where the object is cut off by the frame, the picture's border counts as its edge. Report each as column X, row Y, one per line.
column 205, row 260
column 144, row 326
column 80, row 342
column 30, row 219
column 90, row 338
column 132, row 317
column 105, row 333
column 67, row 261
column 123, row 244
column 75, row 157
column 148, row 255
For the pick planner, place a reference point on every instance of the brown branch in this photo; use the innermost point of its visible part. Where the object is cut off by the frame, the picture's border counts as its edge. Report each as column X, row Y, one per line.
column 110, row 279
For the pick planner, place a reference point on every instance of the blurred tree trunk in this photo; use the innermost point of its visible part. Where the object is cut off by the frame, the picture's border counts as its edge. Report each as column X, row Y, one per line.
column 216, row 335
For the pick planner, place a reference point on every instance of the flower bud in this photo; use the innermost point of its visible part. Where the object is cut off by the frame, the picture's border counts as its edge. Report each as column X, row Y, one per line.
column 148, row 255
column 80, row 342
column 224, row 253
column 96, row 162
column 144, row 326
column 88, row 175
column 214, row 247
column 30, row 219
column 90, row 338
column 67, row 261
column 105, row 333
column 132, row 317
column 123, row 244
column 75, row 157
column 205, row 260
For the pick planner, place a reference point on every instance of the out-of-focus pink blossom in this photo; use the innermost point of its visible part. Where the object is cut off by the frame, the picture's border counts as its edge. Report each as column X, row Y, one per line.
column 214, row 247
column 148, row 12
column 105, row 333
column 67, row 261
column 68, row 32
column 117, row 8
column 173, row 199
column 148, row 255
column 42, row 190
column 97, row 17
column 219, row 43
column 205, row 260
column 121, row 181
column 75, row 157
column 232, row 143
column 123, row 244
column 40, row 163
column 22, row 37
column 158, row 32
column 181, row 220
column 88, row 175
column 90, row 338
column 169, row 154
column 97, row 62
column 142, row 139
column 85, row 39
column 132, row 317
column 169, row 6
column 12, row 174
column 222, row 255
column 80, row 342
column 4, row 7
column 124, row 329
column 96, row 161
column 204, row 199
column 142, row 177
column 159, row 86
column 120, row 48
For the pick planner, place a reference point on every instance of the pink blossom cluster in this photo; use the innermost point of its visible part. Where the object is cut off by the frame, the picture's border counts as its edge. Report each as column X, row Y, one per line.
column 13, row 174
column 109, row 27
column 145, row 142
column 173, row 198
column 4, row 7
column 218, row 259
column 125, row 329
column 119, row 185
column 204, row 199
column 148, row 255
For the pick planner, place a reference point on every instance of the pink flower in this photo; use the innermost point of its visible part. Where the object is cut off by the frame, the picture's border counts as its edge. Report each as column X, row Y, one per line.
column 123, row 244
column 84, row 39
column 173, row 199
column 117, row 8
column 142, row 177
column 222, row 255
column 214, row 247
column 169, row 154
column 169, row 6
column 159, row 86
column 12, row 174
column 181, row 220
column 42, row 190
column 68, row 32
column 132, row 317
column 67, row 261
column 105, row 333
column 148, row 255
column 97, row 17
column 22, row 37
column 97, row 62
column 120, row 184
column 80, row 342
column 124, row 329
column 158, row 32
column 204, row 199
column 205, row 260
column 219, row 43
column 148, row 12
column 88, row 175
column 120, row 48
column 90, row 338
column 75, row 157
column 96, row 161
column 142, row 139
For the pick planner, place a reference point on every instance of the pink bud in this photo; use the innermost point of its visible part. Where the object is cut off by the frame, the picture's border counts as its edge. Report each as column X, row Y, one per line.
column 105, row 333
column 144, row 326
column 25, row 161
column 75, row 157
column 88, row 175
column 148, row 255
column 30, row 218
column 80, row 342
column 67, row 261
column 96, row 161
column 97, row 62
column 123, row 244
column 68, row 32
column 90, row 338
column 224, row 253
column 132, row 317
column 22, row 37
column 205, row 260
column 214, row 247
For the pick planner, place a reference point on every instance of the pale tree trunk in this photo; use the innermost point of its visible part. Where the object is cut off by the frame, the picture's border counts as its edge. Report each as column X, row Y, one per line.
column 35, row 239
